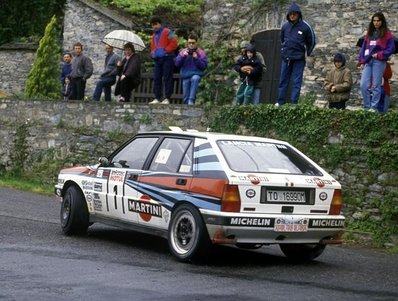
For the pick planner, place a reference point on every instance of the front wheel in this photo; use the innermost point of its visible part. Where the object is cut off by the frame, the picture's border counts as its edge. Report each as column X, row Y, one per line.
column 74, row 213
column 188, row 237
column 302, row 252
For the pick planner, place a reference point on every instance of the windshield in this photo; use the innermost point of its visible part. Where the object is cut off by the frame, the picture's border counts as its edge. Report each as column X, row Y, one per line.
column 256, row 156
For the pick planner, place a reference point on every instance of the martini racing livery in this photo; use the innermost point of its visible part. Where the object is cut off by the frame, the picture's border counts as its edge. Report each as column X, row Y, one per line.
column 198, row 189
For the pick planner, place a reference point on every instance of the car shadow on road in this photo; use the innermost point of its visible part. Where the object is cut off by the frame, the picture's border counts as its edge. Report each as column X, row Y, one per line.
column 157, row 247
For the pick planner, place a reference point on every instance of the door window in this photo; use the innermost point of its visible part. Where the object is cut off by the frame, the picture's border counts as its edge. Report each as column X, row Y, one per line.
column 134, row 154
column 173, row 155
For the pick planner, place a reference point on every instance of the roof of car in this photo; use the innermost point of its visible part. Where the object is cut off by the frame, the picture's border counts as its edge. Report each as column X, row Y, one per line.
column 211, row 135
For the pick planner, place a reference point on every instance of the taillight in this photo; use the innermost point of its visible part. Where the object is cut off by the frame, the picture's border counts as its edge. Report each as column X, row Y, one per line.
column 230, row 199
column 337, row 203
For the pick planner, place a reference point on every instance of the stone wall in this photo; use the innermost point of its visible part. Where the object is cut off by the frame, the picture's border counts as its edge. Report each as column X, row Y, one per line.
column 16, row 62
column 84, row 129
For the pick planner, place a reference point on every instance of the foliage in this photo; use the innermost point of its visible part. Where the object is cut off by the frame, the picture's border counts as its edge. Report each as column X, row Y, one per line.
column 16, row 21
column 179, row 14
column 217, row 85
column 384, row 224
column 20, row 151
column 43, row 78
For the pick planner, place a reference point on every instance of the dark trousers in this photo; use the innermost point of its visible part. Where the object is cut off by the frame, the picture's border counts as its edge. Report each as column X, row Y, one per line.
column 290, row 70
column 78, row 85
column 163, row 71
column 337, row 105
column 105, row 84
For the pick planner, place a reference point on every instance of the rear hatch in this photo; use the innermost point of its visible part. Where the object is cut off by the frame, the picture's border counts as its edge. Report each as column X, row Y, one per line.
column 273, row 178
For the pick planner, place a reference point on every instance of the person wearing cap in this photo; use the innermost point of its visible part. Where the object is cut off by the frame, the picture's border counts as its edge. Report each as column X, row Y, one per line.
column 297, row 41
column 249, row 68
column 338, row 83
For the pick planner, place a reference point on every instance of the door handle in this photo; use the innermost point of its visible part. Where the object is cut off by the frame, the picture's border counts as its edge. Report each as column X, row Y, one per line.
column 181, row 181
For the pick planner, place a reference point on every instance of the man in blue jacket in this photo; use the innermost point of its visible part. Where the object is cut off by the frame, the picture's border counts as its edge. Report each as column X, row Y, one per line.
column 297, row 41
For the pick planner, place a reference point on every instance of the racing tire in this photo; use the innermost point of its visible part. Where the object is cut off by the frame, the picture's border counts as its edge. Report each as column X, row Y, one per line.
column 74, row 213
column 302, row 252
column 188, row 237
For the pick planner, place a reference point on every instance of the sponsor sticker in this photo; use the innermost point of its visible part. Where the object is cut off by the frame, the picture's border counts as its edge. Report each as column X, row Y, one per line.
column 250, row 221
column 117, row 176
column 326, row 223
column 145, row 208
column 250, row 193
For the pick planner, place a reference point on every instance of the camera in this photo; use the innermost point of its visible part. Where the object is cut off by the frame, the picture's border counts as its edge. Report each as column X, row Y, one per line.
column 191, row 51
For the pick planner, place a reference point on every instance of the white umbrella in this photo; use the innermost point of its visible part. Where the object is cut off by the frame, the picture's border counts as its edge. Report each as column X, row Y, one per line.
column 118, row 38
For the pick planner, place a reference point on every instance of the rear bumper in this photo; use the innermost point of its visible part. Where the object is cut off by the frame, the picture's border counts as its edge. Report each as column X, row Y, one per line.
column 232, row 228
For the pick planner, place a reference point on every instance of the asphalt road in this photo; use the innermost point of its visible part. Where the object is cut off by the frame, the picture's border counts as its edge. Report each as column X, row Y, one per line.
column 37, row 262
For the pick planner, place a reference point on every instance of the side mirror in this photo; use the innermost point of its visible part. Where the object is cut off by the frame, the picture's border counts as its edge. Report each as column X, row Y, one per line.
column 103, row 161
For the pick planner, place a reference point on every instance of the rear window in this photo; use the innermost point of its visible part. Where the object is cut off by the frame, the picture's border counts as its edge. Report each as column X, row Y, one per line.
column 253, row 156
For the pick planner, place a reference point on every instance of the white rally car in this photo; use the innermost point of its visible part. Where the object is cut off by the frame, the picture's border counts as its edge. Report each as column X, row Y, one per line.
column 199, row 188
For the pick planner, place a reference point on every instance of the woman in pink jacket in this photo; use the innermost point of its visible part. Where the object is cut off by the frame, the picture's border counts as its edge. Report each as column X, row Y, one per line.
column 375, row 51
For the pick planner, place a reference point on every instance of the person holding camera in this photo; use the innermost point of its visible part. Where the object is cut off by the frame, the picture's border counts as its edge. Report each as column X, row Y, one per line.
column 192, row 62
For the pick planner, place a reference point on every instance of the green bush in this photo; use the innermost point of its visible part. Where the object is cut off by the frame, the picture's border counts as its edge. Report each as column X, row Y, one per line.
column 43, row 79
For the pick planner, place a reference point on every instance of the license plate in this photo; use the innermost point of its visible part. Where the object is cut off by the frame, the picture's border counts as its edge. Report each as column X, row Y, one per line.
column 286, row 196
column 291, row 224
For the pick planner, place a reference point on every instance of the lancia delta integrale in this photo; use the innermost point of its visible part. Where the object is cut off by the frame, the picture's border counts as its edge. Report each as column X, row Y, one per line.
column 200, row 189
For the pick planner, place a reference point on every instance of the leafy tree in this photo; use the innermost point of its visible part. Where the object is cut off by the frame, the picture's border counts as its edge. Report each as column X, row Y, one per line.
column 17, row 23
column 43, row 77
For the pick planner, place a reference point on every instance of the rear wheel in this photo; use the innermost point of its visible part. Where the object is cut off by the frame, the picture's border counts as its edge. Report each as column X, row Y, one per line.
column 74, row 213
column 302, row 252
column 188, row 237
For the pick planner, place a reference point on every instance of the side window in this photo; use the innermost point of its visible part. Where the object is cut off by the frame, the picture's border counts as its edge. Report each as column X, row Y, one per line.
column 186, row 164
column 135, row 153
column 173, row 156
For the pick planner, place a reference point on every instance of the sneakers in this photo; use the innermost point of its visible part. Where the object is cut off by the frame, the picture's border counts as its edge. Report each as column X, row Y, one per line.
column 154, row 101
column 164, row 101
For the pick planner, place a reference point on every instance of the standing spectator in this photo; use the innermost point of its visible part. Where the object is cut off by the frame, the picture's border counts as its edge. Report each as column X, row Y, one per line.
column 192, row 62
column 338, row 83
column 108, row 77
column 297, row 41
column 249, row 68
column 66, row 88
column 66, row 66
column 129, row 70
column 82, row 69
column 258, row 83
column 377, row 47
column 163, row 46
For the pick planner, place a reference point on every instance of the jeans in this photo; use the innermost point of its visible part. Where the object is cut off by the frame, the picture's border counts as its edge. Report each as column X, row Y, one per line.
column 290, row 70
column 106, row 85
column 371, row 80
column 256, row 96
column 164, row 67
column 189, row 89
column 245, row 94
